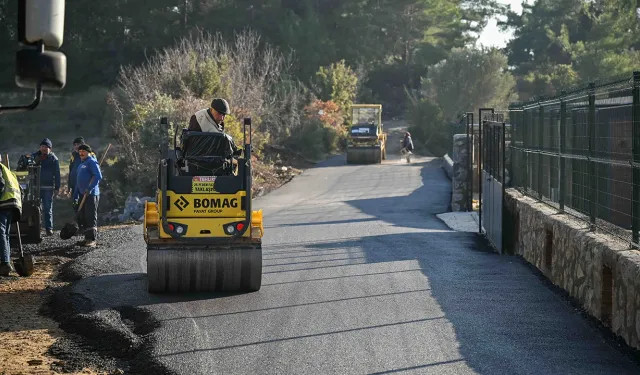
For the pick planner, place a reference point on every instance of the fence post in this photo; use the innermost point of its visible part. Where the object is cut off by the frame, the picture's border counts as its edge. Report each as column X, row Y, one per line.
column 563, row 149
column 592, row 175
column 525, row 146
column 512, row 174
column 469, row 165
column 539, row 147
column 635, row 131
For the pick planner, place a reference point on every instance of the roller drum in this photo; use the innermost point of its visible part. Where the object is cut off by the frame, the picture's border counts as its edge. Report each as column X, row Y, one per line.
column 204, row 270
column 364, row 155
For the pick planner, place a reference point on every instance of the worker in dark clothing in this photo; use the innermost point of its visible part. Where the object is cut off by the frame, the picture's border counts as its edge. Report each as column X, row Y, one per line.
column 49, row 180
column 88, row 180
column 74, row 162
column 10, row 212
column 211, row 120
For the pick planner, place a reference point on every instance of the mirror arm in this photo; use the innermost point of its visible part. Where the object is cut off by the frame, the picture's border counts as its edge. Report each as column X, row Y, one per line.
column 21, row 108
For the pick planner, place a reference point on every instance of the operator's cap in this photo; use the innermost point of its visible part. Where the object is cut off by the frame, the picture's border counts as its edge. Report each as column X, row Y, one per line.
column 221, row 105
column 79, row 140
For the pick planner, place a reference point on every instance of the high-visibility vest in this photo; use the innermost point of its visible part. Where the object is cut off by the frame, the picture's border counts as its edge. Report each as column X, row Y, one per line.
column 11, row 197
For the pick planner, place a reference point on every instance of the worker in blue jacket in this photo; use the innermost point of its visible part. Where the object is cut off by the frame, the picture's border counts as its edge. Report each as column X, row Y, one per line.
column 49, row 180
column 88, row 181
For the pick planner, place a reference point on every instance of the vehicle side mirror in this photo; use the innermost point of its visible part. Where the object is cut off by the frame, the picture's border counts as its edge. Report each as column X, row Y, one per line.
column 41, row 25
column 47, row 68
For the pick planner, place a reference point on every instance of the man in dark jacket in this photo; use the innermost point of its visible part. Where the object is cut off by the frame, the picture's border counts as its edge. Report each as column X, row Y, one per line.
column 211, row 120
column 49, row 180
column 407, row 146
column 89, row 176
column 10, row 211
column 74, row 162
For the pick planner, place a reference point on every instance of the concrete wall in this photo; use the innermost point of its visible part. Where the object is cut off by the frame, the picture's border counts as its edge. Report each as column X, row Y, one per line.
column 601, row 273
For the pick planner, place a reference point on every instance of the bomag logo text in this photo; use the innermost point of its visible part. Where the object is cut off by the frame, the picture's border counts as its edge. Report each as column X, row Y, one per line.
column 215, row 203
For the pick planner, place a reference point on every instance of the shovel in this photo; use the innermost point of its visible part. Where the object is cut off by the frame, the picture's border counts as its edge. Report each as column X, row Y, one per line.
column 25, row 265
column 69, row 230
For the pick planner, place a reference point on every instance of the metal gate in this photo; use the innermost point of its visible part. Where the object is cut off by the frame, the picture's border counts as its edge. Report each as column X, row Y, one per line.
column 493, row 143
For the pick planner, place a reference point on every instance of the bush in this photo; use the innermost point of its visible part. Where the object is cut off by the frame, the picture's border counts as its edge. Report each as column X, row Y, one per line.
column 338, row 83
column 428, row 127
column 315, row 140
column 329, row 116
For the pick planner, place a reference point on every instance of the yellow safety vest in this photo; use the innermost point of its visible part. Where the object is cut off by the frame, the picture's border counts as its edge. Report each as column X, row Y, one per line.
column 11, row 196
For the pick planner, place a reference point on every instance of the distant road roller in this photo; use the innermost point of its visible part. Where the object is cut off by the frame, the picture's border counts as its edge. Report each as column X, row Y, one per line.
column 201, row 233
column 366, row 142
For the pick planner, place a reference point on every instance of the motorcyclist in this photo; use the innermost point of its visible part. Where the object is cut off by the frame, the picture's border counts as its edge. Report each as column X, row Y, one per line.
column 407, row 145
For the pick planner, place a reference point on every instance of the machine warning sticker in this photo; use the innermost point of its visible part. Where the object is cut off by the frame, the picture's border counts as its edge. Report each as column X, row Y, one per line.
column 203, row 184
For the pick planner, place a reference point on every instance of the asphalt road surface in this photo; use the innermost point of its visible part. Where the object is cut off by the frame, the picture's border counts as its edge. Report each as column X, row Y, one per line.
column 361, row 277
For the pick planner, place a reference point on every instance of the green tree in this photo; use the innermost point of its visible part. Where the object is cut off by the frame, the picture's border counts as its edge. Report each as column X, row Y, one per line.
column 338, row 83
column 470, row 79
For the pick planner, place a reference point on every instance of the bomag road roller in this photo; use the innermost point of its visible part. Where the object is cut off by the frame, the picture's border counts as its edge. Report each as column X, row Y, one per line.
column 366, row 142
column 201, row 233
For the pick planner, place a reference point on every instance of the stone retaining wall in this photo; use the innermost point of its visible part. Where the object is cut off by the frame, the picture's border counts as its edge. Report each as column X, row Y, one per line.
column 603, row 274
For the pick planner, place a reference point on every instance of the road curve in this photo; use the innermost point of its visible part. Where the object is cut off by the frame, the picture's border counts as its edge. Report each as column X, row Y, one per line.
column 360, row 276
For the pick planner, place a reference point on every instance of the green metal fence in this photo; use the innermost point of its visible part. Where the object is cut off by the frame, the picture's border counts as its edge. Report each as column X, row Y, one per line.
column 580, row 152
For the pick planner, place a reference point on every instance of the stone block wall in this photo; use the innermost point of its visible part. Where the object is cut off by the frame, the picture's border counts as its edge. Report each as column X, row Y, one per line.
column 603, row 274
column 460, row 189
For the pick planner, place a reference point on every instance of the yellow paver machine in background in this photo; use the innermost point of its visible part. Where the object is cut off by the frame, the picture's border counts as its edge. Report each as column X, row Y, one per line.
column 202, row 235
column 366, row 142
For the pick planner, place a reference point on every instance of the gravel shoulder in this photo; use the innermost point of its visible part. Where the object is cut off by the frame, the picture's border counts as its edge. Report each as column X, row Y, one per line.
column 32, row 341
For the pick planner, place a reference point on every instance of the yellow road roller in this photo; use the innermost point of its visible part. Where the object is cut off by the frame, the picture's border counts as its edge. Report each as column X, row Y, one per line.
column 366, row 142
column 201, row 233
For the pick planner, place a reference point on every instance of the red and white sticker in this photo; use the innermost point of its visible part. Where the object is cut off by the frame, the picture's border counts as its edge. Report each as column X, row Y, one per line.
column 204, row 178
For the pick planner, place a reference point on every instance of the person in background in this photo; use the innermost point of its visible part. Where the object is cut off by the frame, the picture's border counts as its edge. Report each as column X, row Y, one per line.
column 88, row 180
column 74, row 162
column 49, row 180
column 10, row 212
column 407, row 143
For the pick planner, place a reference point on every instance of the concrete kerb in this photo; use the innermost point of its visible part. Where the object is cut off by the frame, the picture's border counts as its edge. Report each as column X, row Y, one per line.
column 447, row 165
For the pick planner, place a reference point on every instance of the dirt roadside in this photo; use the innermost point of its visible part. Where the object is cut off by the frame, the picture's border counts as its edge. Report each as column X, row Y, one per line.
column 27, row 336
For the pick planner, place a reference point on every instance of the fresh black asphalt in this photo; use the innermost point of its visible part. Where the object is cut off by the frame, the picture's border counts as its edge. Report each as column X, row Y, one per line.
column 360, row 277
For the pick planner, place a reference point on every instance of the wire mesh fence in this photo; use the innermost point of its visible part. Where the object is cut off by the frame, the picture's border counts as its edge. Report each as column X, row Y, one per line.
column 580, row 152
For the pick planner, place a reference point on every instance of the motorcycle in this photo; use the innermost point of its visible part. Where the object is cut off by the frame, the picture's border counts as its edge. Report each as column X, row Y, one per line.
column 405, row 153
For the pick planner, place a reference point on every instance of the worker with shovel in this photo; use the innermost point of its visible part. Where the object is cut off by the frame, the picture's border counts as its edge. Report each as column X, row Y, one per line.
column 87, row 181
column 10, row 212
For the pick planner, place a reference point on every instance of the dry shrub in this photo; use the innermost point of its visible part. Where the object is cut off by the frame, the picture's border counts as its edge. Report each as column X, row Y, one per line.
column 178, row 81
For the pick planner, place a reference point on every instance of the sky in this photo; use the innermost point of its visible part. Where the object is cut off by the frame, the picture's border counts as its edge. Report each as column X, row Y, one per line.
column 491, row 35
